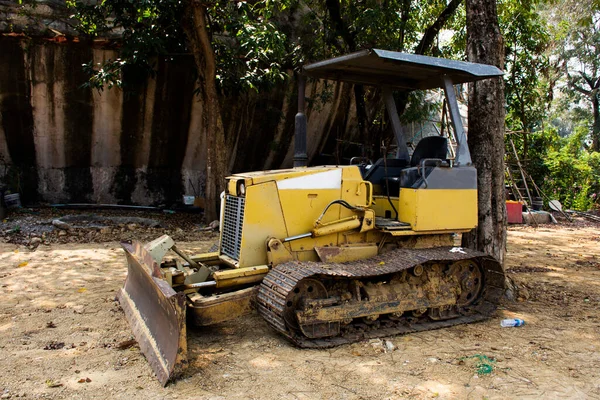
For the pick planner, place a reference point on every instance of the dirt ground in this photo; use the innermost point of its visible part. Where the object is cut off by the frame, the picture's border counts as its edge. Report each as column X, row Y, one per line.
column 60, row 325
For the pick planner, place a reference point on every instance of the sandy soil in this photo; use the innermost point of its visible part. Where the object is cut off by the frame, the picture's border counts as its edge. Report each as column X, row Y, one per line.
column 59, row 325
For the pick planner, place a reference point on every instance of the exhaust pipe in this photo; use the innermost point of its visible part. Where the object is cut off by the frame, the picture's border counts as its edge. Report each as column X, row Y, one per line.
column 300, row 156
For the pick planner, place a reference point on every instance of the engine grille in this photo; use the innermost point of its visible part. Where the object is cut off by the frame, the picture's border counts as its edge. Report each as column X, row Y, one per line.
column 231, row 239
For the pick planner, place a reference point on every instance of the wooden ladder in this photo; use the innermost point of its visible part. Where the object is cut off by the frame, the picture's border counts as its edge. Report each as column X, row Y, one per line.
column 517, row 177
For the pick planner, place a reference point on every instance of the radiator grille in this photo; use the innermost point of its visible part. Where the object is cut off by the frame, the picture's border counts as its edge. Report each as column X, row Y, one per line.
column 233, row 218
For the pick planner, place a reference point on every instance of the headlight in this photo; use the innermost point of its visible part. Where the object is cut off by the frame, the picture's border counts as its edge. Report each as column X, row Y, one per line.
column 241, row 189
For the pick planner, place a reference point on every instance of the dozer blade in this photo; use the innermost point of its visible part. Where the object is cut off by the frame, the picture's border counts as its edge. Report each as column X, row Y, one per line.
column 155, row 312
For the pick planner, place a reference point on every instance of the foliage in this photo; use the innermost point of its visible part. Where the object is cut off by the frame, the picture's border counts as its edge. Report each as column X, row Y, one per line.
column 526, row 63
column 249, row 48
column 564, row 167
column 576, row 31
column 146, row 28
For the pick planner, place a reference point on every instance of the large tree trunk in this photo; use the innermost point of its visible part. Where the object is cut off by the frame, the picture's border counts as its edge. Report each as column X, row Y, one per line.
column 596, row 127
column 486, row 129
column 195, row 26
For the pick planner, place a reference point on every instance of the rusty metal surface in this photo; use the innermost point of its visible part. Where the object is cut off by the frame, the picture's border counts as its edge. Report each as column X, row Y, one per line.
column 218, row 308
column 283, row 279
column 341, row 254
column 156, row 314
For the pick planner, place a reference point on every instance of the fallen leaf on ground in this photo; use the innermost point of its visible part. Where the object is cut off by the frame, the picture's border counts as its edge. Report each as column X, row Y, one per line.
column 23, row 264
column 50, row 383
column 81, row 290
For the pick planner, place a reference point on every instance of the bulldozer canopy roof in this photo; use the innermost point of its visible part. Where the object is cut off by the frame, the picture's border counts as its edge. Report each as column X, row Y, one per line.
column 398, row 70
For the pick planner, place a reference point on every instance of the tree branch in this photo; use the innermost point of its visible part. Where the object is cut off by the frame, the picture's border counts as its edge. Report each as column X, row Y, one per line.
column 334, row 9
column 579, row 88
column 405, row 8
column 433, row 30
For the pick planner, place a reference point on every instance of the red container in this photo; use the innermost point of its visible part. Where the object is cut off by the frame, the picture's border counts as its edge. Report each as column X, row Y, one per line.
column 514, row 212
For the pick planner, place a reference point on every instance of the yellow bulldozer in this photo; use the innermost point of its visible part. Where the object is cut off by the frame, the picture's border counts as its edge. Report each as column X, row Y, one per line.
column 331, row 254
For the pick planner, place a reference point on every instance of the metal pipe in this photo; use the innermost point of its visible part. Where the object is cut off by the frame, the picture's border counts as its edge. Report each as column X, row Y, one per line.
column 300, row 147
column 200, row 285
column 463, row 156
column 337, row 227
column 390, row 105
column 181, row 254
column 301, row 236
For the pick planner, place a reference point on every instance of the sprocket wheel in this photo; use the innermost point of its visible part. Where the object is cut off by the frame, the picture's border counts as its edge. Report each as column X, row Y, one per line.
column 305, row 289
column 470, row 280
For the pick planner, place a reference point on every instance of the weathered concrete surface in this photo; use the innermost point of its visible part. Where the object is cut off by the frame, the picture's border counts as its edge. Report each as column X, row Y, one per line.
column 62, row 142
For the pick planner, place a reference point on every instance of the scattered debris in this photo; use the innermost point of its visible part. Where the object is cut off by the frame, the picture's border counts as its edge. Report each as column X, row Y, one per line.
column 126, row 344
column 45, row 226
column 54, row 345
column 61, row 225
column 511, row 322
column 525, row 269
column 383, row 346
column 484, row 365
column 51, row 384
column 389, row 346
column 457, row 250
column 50, row 325
column 84, row 380
column 213, row 226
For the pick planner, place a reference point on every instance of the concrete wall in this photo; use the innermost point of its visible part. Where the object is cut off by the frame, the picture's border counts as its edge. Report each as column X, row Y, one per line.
column 61, row 142
column 69, row 143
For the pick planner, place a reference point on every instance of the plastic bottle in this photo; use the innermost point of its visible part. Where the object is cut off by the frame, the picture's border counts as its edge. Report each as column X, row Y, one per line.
column 511, row 322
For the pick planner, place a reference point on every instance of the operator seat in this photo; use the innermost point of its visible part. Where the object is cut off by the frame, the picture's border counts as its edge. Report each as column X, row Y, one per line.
column 430, row 147
column 435, row 147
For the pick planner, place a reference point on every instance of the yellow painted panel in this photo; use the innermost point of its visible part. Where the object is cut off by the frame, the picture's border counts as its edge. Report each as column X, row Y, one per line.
column 381, row 205
column 282, row 174
column 354, row 190
column 289, row 202
column 438, row 209
column 263, row 218
column 302, row 207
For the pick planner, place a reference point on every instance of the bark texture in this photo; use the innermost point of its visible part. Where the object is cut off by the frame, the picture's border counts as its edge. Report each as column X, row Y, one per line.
column 596, row 126
column 212, row 129
column 486, row 129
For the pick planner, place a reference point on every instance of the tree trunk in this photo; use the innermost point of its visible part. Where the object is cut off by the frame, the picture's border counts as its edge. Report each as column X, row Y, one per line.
column 486, row 129
column 596, row 127
column 195, row 26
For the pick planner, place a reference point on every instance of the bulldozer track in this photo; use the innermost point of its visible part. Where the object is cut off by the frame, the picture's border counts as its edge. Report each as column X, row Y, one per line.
column 282, row 279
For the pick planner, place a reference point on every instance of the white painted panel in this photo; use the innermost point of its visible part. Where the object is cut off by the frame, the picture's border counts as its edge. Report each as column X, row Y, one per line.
column 321, row 180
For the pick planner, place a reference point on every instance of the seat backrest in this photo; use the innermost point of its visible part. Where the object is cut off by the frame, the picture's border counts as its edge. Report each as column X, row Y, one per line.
column 430, row 147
